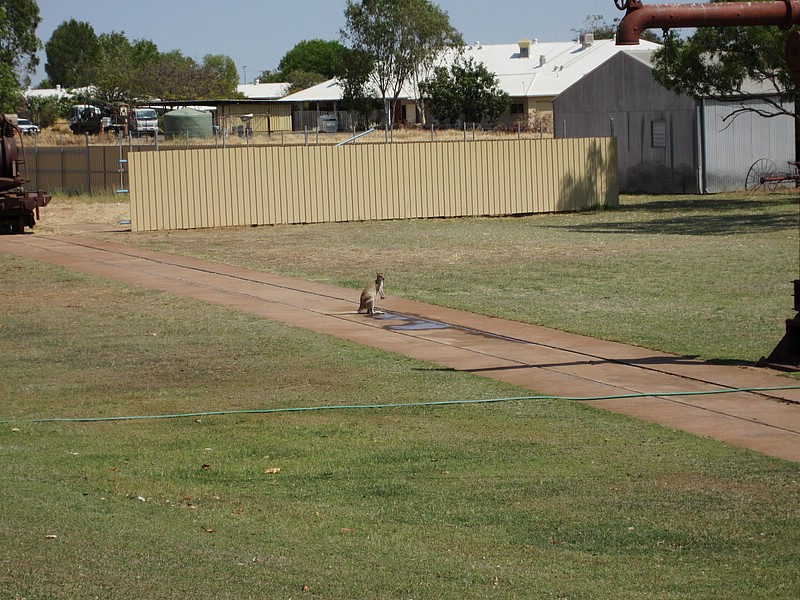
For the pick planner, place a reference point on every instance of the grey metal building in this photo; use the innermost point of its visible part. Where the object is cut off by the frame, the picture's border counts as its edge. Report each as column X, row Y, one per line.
column 669, row 143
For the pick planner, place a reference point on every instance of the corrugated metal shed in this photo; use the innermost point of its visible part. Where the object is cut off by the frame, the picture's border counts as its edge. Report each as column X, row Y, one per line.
column 670, row 143
column 731, row 144
column 655, row 128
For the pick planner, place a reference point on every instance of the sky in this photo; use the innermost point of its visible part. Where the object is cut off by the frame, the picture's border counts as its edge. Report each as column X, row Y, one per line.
column 257, row 33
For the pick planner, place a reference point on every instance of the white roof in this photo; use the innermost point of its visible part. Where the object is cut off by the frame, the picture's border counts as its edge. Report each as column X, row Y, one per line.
column 327, row 91
column 551, row 67
column 263, row 91
column 57, row 91
column 749, row 87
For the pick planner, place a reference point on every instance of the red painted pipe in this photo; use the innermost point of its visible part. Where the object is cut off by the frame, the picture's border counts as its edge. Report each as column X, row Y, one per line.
column 638, row 18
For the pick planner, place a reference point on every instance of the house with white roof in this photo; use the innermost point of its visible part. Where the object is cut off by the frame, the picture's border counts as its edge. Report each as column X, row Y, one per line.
column 57, row 92
column 533, row 73
column 263, row 91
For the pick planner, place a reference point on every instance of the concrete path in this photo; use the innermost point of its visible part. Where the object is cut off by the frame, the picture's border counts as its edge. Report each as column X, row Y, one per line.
column 543, row 360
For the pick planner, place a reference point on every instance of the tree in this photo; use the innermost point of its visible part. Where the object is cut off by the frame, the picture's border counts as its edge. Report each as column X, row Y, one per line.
column 719, row 62
column 352, row 69
column 301, row 80
column 10, row 93
column 269, row 76
column 223, row 74
column 18, row 47
column 310, row 62
column 73, row 54
column 44, row 111
column 397, row 36
column 468, row 91
column 311, row 56
column 172, row 76
column 144, row 52
column 115, row 78
column 434, row 35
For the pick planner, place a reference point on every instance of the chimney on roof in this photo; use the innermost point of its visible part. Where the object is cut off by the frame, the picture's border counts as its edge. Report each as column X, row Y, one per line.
column 587, row 39
column 524, row 48
column 542, row 60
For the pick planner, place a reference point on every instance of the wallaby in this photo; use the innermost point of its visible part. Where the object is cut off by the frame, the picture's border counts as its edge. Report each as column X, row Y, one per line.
column 370, row 295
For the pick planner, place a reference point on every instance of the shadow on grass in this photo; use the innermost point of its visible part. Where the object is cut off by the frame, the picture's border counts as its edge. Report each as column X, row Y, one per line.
column 702, row 217
column 651, row 363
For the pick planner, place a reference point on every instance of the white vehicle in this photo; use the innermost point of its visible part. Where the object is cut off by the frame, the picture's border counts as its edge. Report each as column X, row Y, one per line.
column 142, row 121
column 85, row 118
column 25, row 126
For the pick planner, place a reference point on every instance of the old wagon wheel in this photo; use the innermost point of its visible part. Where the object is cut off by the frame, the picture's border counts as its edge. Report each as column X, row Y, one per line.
column 762, row 176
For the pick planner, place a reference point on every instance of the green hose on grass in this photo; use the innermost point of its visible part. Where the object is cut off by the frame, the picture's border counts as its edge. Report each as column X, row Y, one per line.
column 258, row 411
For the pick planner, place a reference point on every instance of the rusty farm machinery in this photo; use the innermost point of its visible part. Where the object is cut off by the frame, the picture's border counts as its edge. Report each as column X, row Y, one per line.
column 18, row 208
column 764, row 176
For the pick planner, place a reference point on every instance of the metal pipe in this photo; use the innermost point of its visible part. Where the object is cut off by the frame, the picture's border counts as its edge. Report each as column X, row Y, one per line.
column 355, row 137
column 638, row 18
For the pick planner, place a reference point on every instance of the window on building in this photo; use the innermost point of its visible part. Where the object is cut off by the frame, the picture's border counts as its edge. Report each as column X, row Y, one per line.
column 659, row 134
column 517, row 108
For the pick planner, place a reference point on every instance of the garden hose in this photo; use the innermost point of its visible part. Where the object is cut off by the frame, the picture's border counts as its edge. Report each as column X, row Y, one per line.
column 256, row 411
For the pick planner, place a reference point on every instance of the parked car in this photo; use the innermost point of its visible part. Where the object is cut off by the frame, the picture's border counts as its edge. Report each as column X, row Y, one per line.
column 25, row 126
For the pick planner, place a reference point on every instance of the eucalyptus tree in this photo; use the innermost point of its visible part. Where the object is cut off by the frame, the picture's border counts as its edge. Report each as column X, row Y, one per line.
column 402, row 38
column 18, row 47
column 352, row 70
column 724, row 62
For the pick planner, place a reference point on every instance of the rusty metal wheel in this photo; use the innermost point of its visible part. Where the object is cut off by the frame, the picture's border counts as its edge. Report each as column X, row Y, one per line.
column 762, row 176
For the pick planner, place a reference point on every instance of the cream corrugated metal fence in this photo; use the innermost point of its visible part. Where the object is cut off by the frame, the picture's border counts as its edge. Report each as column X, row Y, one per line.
column 276, row 185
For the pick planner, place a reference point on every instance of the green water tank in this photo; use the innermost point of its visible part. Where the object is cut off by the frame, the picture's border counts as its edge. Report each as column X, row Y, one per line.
column 188, row 122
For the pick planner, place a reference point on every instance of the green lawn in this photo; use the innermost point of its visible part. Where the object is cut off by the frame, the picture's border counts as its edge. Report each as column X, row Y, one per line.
column 536, row 499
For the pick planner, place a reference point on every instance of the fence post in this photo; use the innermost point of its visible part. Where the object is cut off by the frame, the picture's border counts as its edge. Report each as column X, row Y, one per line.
column 123, row 162
column 61, row 161
column 88, row 166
